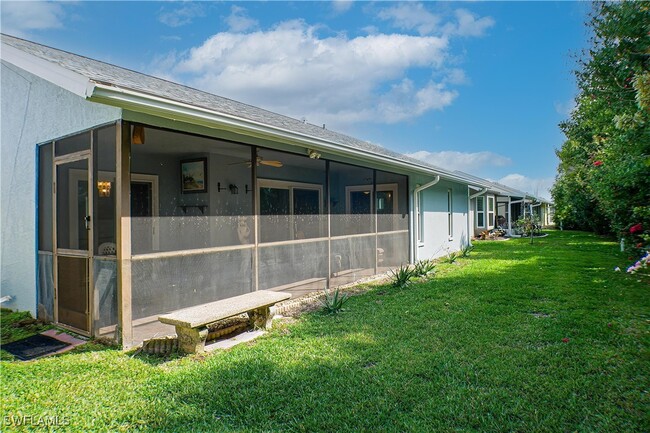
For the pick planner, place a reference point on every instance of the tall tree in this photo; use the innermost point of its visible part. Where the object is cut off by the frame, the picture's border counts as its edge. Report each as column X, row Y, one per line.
column 603, row 180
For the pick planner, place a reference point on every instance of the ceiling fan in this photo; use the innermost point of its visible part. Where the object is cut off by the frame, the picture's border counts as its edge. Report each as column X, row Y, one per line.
column 261, row 161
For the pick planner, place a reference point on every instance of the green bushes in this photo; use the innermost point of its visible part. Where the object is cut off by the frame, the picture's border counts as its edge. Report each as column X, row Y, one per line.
column 603, row 180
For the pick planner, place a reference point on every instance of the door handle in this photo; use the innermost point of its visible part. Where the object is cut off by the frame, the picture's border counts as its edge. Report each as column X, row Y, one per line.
column 87, row 222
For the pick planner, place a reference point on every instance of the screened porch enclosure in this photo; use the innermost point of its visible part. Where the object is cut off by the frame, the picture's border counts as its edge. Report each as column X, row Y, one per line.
column 229, row 219
column 203, row 219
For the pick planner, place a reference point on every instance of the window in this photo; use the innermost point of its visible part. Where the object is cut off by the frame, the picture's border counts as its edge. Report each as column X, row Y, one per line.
column 358, row 199
column 450, row 214
column 419, row 217
column 491, row 211
column 480, row 212
column 289, row 210
column 386, row 200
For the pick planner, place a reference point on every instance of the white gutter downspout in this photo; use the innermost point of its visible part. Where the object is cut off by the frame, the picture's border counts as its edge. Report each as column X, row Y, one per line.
column 531, row 209
column 523, row 205
column 481, row 192
column 470, row 224
column 416, row 208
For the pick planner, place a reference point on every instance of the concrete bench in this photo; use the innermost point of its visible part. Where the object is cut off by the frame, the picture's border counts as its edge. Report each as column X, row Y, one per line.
column 192, row 323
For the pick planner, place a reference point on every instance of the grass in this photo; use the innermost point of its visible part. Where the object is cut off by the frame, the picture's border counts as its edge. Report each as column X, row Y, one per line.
column 477, row 348
column 16, row 325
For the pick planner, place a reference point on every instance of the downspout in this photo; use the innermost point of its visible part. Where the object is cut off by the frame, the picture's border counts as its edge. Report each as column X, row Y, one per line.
column 532, row 205
column 470, row 224
column 416, row 207
column 481, row 192
column 523, row 206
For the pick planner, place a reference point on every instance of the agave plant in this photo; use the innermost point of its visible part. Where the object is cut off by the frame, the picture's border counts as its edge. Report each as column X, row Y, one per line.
column 424, row 268
column 333, row 302
column 402, row 276
column 451, row 257
column 466, row 249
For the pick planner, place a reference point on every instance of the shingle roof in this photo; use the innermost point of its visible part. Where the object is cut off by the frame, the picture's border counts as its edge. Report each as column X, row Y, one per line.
column 108, row 74
column 111, row 75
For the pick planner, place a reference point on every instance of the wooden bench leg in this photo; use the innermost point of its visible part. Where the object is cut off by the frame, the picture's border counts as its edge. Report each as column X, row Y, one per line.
column 191, row 340
column 262, row 318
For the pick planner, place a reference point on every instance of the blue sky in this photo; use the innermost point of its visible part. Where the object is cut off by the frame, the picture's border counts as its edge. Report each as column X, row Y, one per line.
column 475, row 86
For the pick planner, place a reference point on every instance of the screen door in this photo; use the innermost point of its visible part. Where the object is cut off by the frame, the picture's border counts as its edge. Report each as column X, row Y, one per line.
column 73, row 240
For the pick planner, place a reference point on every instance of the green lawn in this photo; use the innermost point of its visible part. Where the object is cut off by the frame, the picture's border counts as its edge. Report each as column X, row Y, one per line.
column 478, row 348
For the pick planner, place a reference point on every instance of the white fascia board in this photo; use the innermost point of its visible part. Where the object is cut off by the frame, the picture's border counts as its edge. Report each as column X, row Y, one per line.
column 474, row 182
column 49, row 71
column 174, row 110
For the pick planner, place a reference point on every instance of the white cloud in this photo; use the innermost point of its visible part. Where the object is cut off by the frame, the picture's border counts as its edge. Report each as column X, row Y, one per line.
column 415, row 16
column 371, row 30
column 164, row 64
column 341, row 6
column 411, row 16
column 469, row 24
column 333, row 80
column 301, row 71
column 536, row 186
column 404, row 101
column 456, row 76
column 20, row 18
column 239, row 21
column 465, row 161
column 565, row 109
column 182, row 15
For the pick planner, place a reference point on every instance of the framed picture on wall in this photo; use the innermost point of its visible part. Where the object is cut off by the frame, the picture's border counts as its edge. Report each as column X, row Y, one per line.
column 194, row 175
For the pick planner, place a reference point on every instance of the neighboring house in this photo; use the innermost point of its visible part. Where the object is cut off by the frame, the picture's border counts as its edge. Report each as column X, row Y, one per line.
column 126, row 196
column 500, row 207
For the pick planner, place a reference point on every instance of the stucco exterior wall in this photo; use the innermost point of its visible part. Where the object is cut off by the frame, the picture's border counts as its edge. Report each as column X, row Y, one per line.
column 436, row 241
column 33, row 111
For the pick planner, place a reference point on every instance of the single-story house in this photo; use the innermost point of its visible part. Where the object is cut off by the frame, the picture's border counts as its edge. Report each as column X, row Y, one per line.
column 126, row 196
column 497, row 206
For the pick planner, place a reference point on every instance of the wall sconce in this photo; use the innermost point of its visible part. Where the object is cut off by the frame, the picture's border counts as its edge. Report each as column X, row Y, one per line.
column 233, row 189
column 219, row 189
column 313, row 154
column 248, row 189
column 137, row 137
column 104, row 188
